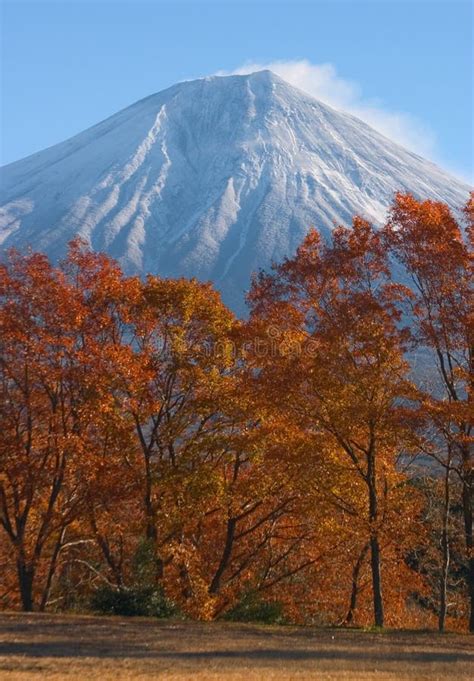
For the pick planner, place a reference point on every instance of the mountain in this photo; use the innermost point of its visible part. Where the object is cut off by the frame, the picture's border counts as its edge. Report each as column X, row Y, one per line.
column 212, row 178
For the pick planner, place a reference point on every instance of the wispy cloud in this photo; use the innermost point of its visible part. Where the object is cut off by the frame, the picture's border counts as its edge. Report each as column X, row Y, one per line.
column 323, row 82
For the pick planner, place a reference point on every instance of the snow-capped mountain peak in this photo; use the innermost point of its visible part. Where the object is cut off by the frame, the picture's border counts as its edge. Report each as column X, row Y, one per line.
column 212, row 178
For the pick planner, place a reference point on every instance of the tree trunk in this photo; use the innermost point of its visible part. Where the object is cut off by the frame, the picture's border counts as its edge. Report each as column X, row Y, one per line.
column 467, row 493
column 152, row 537
column 26, row 573
column 443, row 582
column 375, row 557
column 376, row 581
column 355, row 586
column 102, row 541
column 470, row 569
column 51, row 571
column 226, row 554
column 151, row 531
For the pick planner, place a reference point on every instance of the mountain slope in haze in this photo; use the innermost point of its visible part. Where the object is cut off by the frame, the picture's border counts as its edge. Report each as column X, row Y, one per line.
column 212, row 178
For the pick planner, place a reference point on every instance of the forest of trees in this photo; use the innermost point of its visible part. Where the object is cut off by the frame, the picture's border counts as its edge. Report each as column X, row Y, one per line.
column 314, row 461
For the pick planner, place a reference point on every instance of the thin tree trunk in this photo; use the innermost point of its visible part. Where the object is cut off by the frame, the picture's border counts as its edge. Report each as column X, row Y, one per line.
column 355, row 586
column 226, row 554
column 445, row 552
column 116, row 567
column 376, row 581
column 51, row 571
column 151, row 531
column 467, row 493
column 151, row 528
column 470, row 569
column 375, row 557
column 26, row 575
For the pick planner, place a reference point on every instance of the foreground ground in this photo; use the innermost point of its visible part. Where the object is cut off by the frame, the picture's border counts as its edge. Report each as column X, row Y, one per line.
column 99, row 648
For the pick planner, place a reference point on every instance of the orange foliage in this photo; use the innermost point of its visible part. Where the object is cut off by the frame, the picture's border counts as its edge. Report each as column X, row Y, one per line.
column 149, row 437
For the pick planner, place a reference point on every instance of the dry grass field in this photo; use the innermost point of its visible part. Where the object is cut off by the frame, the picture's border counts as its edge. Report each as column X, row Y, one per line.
column 102, row 648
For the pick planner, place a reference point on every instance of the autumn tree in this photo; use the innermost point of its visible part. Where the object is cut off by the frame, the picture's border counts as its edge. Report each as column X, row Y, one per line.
column 63, row 444
column 428, row 244
column 211, row 502
column 43, row 415
column 338, row 368
column 265, row 458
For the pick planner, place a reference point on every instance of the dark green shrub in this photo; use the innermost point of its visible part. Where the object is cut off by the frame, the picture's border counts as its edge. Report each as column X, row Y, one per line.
column 252, row 608
column 132, row 601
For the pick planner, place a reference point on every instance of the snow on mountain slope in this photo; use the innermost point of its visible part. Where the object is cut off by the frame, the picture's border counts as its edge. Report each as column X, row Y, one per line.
column 212, row 178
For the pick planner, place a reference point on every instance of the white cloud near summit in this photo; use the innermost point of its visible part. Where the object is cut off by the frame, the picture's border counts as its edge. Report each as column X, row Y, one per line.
column 323, row 82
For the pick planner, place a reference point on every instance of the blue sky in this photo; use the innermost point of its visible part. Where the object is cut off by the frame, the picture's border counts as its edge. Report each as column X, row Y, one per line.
column 405, row 65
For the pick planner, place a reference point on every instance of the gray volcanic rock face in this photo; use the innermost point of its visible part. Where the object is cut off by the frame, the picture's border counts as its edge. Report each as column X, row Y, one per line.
column 212, row 178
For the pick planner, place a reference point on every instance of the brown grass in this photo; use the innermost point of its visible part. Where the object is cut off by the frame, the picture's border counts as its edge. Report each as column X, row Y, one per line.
column 102, row 648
